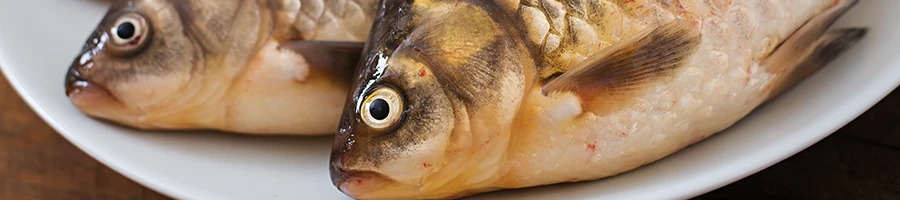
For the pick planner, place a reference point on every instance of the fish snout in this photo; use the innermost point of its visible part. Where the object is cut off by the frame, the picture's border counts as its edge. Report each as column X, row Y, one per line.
column 342, row 144
column 74, row 81
column 352, row 182
column 77, row 83
column 85, row 93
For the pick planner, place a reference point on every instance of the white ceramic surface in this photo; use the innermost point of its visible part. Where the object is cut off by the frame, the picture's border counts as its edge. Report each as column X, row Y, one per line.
column 39, row 38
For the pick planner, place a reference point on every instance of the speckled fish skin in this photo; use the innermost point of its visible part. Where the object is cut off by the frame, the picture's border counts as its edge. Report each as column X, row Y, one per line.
column 489, row 95
column 262, row 67
column 720, row 84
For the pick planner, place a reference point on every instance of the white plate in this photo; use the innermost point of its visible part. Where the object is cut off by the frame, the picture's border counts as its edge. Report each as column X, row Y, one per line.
column 39, row 38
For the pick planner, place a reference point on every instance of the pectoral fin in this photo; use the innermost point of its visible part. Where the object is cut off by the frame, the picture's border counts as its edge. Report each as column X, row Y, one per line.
column 337, row 60
column 810, row 48
column 629, row 66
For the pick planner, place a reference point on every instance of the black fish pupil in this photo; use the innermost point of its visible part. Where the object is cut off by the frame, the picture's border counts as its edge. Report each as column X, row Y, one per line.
column 379, row 109
column 125, row 30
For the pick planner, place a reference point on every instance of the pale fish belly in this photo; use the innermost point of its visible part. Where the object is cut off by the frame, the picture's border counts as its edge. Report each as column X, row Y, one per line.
column 559, row 141
column 332, row 20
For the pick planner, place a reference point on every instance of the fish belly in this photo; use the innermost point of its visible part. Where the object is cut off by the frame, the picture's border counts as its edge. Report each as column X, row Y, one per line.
column 558, row 140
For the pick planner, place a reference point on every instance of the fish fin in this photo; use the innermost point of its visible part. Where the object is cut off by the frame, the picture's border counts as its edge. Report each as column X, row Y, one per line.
column 631, row 65
column 335, row 59
column 810, row 48
column 829, row 47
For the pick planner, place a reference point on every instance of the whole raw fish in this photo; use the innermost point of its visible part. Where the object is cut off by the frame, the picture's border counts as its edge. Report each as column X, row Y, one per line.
column 254, row 67
column 460, row 97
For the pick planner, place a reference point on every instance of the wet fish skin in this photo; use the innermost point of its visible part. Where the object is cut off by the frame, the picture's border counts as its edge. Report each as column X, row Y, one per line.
column 259, row 67
column 456, row 98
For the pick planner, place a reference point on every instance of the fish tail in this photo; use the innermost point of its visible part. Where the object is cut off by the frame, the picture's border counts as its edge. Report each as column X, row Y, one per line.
column 811, row 47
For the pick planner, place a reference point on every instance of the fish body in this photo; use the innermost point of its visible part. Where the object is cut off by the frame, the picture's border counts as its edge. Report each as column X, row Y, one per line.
column 462, row 97
column 251, row 67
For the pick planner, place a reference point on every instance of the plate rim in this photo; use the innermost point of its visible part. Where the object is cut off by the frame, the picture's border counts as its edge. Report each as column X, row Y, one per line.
column 880, row 90
column 828, row 131
column 856, row 109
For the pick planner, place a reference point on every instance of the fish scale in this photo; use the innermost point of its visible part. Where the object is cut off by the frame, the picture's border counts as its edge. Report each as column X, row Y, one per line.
column 336, row 20
column 570, row 30
column 719, row 84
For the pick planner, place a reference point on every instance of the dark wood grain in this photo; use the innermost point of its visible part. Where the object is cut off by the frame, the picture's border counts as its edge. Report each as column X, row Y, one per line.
column 860, row 161
column 38, row 163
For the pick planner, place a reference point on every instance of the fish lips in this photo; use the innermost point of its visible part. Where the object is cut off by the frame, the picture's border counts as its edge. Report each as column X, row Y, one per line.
column 76, row 82
column 86, row 93
column 356, row 183
column 83, row 90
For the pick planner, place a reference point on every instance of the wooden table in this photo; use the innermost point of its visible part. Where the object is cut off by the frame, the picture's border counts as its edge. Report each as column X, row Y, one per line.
column 860, row 161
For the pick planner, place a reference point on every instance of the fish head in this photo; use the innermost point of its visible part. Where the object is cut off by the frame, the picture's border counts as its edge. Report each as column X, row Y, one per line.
column 146, row 57
column 394, row 129
column 432, row 103
column 396, row 133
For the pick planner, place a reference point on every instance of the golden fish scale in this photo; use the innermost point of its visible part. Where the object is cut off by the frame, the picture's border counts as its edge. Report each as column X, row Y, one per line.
column 570, row 30
column 719, row 84
column 335, row 20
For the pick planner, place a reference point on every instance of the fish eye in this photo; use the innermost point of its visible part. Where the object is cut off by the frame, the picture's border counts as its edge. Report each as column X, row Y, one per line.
column 129, row 33
column 382, row 108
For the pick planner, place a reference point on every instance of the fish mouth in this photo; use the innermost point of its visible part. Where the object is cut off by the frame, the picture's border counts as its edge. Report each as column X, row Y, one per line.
column 97, row 101
column 76, row 84
column 89, row 96
column 356, row 183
